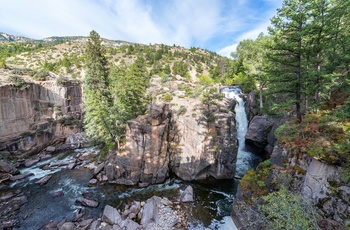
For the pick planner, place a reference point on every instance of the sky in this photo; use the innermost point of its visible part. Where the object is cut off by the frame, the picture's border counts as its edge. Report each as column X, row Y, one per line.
column 215, row 25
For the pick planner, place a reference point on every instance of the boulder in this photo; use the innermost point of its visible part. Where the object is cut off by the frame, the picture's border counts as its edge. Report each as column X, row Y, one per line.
column 44, row 179
column 58, row 194
column 258, row 131
column 95, row 225
column 87, row 202
column 29, row 163
column 50, row 149
column 7, row 167
column 150, row 211
column 187, row 195
column 130, row 225
column 68, row 226
column 92, row 182
column 111, row 215
column 99, row 168
column 20, row 176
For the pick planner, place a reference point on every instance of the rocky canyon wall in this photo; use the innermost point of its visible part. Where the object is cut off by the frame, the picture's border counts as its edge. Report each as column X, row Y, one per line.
column 32, row 117
column 161, row 142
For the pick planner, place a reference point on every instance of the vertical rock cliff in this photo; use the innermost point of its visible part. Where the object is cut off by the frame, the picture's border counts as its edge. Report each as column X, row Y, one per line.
column 161, row 142
column 31, row 118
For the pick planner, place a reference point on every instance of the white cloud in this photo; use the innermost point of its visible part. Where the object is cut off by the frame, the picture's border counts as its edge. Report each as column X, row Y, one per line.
column 201, row 23
column 226, row 51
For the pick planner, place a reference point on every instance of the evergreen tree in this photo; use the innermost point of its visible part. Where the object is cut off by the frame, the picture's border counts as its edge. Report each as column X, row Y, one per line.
column 289, row 31
column 128, row 89
column 98, row 122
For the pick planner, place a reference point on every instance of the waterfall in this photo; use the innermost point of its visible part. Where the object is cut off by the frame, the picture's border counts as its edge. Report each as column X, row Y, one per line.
column 246, row 159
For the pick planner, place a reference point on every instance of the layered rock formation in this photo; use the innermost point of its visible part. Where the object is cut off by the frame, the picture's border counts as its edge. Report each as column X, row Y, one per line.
column 146, row 157
column 31, row 118
column 203, row 150
column 159, row 143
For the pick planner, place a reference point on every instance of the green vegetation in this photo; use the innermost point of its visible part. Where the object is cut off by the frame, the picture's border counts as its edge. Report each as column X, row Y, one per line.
column 99, row 125
column 112, row 95
column 304, row 60
column 209, row 100
column 18, row 82
column 325, row 136
column 167, row 97
column 285, row 210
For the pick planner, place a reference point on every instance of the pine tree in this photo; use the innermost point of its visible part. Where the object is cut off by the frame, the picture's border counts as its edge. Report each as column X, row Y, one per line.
column 289, row 31
column 98, row 122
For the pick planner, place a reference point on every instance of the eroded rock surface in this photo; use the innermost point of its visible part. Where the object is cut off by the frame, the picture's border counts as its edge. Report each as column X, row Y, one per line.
column 258, row 130
column 160, row 142
column 32, row 119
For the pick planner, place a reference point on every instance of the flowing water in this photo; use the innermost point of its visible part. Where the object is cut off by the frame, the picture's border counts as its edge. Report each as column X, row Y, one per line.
column 211, row 209
column 246, row 159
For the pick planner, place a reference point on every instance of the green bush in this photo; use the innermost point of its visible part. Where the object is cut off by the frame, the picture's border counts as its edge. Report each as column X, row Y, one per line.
column 3, row 64
column 165, row 78
column 167, row 97
column 182, row 110
column 41, row 76
column 284, row 210
column 18, row 82
column 205, row 80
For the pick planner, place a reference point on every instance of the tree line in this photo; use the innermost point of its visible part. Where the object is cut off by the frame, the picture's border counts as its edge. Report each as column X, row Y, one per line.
column 112, row 94
column 305, row 58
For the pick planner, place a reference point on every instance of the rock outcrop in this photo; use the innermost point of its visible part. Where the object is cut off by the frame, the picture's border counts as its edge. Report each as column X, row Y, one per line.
column 202, row 150
column 159, row 142
column 35, row 117
column 316, row 181
column 258, row 130
column 146, row 157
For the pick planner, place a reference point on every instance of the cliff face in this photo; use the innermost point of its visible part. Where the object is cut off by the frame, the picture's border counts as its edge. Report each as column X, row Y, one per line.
column 160, row 143
column 202, row 150
column 35, row 116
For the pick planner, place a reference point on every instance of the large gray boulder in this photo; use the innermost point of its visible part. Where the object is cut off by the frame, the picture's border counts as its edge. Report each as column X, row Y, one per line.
column 258, row 130
column 111, row 215
column 187, row 195
column 7, row 167
column 150, row 211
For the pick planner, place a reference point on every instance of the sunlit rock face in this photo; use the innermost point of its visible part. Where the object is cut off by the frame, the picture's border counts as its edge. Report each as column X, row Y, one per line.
column 146, row 157
column 205, row 150
column 159, row 143
column 31, row 118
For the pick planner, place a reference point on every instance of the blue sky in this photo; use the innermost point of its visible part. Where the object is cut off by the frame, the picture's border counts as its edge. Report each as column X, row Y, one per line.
column 216, row 25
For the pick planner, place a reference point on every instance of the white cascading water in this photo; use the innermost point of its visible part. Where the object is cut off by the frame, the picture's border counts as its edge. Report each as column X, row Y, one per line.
column 245, row 158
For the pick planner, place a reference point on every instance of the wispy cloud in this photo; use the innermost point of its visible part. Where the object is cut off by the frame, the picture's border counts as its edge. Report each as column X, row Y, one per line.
column 211, row 24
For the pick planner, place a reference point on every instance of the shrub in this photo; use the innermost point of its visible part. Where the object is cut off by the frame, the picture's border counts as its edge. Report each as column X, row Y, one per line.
column 3, row 64
column 18, row 82
column 61, row 80
column 205, row 80
column 165, row 78
column 182, row 110
column 167, row 97
column 41, row 76
column 284, row 210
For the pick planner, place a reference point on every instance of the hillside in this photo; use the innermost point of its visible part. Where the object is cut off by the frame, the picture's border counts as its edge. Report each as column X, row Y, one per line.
column 63, row 56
